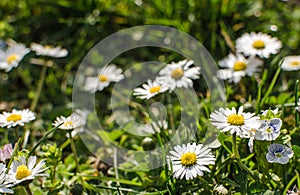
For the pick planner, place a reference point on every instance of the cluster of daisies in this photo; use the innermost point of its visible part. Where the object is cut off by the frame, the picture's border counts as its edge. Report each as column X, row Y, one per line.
column 22, row 171
column 14, row 52
column 174, row 75
column 265, row 127
column 251, row 48
column 190, row 160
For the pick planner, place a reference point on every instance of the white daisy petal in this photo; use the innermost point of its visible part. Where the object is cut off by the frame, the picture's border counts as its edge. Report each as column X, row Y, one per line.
column 178, row 74
column 23, row 170
column 106, row 75
column 291, row 63
column 16, row 117
column 262, row 45
column 188, row 161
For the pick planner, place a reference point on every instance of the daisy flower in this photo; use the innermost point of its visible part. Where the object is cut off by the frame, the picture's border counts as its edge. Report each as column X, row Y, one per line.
column 237, row 66
column 6, row 152
column 149, row 90
column 259, row 44
column 106, row 75
column 23, row 170
column 47, row 50
column 11, row 57
column 291, row 63
column 71, row 122
column 189, row 161
column 278, row 153
column 178, row 74
column 4, row 186
column 235, row 121
column 16, row 117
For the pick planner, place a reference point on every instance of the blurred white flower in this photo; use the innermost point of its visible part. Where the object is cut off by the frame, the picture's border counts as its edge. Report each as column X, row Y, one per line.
column 149, row 90
column 155, row 126
column 291, row 63
column 47, row 50
column 259, row 44
column 234, row 121
column 16, row 117
column 23, row 170
column 278, row 153
column 178, row 74
column 189, row 161
column 12, row 56
column 220, row 189
column 4, row 185
column 237, row 66
column 106, row 75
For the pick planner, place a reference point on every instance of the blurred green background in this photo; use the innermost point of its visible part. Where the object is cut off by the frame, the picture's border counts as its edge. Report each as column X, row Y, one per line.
column 79, row 24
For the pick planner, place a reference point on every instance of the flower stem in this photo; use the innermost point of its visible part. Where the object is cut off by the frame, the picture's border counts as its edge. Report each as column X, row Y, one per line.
column 271, row 86
column 42, row 139
column 170, row 181
column 73, row 148
column 262, row 82
column 296, row 103
column 16, row 148
column 39, row 87
column 234, row 147
column 28, row 190
column 283, row 175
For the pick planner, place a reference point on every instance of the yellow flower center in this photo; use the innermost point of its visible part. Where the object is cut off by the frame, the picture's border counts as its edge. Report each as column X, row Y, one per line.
column 103, row 78
column 68, row 124
column 235, row 119
column 154, row 89
column 239, row 65
column 22, row 172
column 188, row 159
column 48, row 47
column 295, row 63
column 11, row 58
column 258, row 44
column 14, row 117
column 177, row 73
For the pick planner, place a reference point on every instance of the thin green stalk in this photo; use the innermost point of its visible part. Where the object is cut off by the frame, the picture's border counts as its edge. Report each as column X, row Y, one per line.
column 42, row 139
column 165, row 161
column 28, row 190
column 39, row 87
column 262, row 82
column 283, row 175
column 289, row 184
column 234, row 147
column 53, row 176
column 244, row 167
column 116, row 169
column 273, row 82
column 13, row 155
column 73, row 148
column 296, row 103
